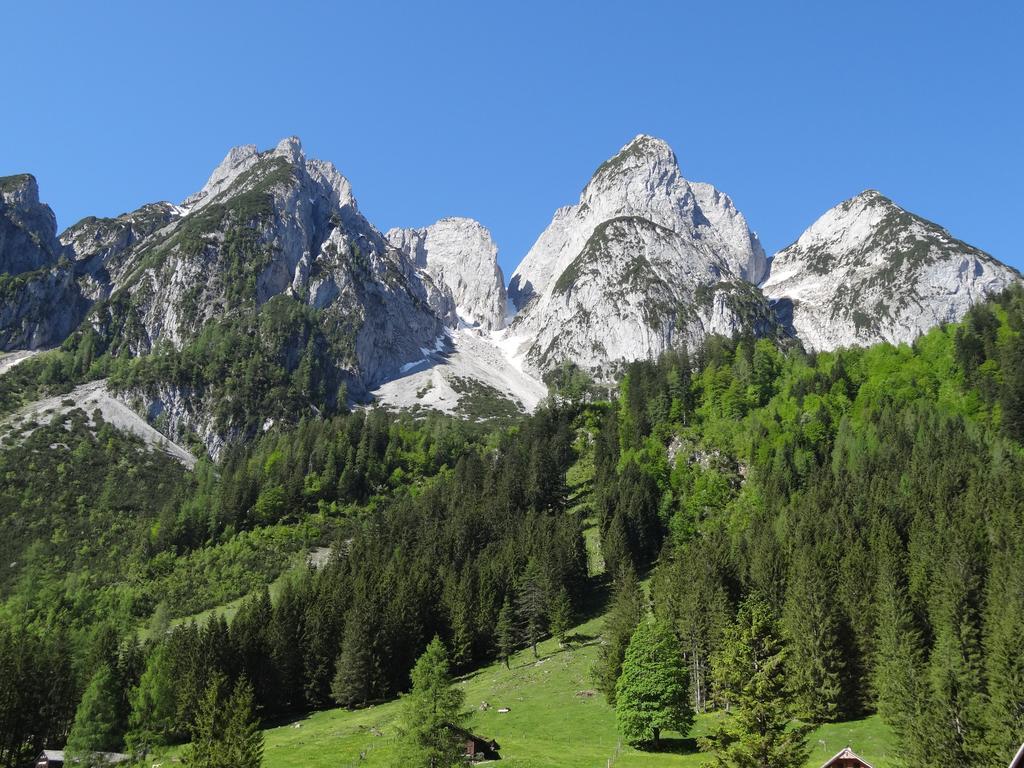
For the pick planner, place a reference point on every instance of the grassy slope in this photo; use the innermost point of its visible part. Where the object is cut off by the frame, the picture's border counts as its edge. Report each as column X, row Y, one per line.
column 549, row 723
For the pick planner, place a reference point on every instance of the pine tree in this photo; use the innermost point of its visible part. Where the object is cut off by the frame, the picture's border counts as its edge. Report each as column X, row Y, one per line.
column 897, row 675
column 154, row 705
column 1004, row 656
column 243, row 739
column 284, row 636
column 652, row 693
column 625, row 613
column 532, row 604
column 355, row 673
column 226, row 733
column 750, row 672
column 430, row 712
column 954, row 715
column 249, row 638
column 97, row 721
column 816, row 663
column 560, row 615
column 207, row 730
column 505, row 632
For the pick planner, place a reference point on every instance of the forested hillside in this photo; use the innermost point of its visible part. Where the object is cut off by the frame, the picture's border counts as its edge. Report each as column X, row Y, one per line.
column 868, row 505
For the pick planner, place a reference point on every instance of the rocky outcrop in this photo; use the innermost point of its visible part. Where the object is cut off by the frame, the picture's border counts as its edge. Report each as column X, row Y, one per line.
column 460, row 254
column 644, row 262
column 28, row 228
column 40, row 302
column 870, row 271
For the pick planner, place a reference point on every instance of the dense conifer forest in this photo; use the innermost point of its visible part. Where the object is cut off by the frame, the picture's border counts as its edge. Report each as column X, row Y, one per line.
column 860, row 514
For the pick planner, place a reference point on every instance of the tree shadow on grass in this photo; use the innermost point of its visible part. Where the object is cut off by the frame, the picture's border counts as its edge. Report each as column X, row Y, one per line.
column 677, row 746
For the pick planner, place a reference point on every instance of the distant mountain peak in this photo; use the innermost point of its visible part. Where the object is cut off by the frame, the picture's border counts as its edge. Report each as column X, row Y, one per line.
column 642, row 152
column 868, row 270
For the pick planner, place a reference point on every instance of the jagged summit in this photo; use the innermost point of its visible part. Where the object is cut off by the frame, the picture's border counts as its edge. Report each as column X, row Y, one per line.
column 460, row 254
column 868, row 270
column 240, row 161
column 617, row 275
column 642, row 179
column 644, row 155
column 273, row 255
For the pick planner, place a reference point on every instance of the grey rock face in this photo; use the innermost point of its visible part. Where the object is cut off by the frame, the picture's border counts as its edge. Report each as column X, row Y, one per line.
column 643, row 180
column 869, row 271
column 645, row 261
column 28, row 229
column 39, row 300
column 267, row 227
column 460, row 254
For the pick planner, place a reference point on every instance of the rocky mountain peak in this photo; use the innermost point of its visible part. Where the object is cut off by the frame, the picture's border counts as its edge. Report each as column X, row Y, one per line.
column 868, row 270
column 650, row 160
column 290, row 148
column 642, row 180
column 28, row 228
column 460, row 254
column 19, row 191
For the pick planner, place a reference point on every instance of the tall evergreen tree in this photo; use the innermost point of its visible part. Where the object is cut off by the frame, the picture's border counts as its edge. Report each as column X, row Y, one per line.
column 897, row 675
column 626, row 611
column 954, row 715
column 505, row 632
column 560, row 614
column 226, row 732
column 98, row 726
column 811, row 619
column 750, row 671
column 1004, row 654
column 431, row 712
column 532, row 604
column 355, row 674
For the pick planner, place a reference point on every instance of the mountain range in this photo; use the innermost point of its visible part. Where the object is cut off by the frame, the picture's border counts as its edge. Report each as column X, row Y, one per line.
column 267, row 294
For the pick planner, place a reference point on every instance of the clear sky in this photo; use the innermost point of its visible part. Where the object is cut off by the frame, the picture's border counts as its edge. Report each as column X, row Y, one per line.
column 501, row 111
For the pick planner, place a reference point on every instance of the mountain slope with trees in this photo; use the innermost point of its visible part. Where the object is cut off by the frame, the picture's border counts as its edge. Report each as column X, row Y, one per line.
column 868, row 502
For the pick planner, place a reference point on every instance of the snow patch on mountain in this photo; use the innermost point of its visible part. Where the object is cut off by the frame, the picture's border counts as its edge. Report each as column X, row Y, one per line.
column 442, row 380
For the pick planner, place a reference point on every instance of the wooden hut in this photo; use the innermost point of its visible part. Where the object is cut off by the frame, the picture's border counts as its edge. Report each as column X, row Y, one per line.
column 847, row 759
column 477, row 747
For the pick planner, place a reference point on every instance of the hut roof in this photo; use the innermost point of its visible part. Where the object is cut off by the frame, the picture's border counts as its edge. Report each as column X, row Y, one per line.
column 847, row 754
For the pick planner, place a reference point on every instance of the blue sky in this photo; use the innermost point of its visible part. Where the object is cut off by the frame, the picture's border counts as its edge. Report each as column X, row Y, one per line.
column 501, row 111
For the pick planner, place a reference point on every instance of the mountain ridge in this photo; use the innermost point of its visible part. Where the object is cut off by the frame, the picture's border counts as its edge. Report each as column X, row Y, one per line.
column 273, row 253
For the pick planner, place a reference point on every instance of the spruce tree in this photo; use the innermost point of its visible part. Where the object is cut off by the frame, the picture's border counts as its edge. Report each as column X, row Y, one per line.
column 532, row 604
column 811, row 620
column 355, row 671
column 560, row 615
column 1004, row 656
column 625, row 613
column 153, row 704
column 97, row 720
column 243, row 739
column 431, row 712
column 652, row 693
column 897, row 675
column 226, row 733
column 505, row 632
column 954, row 716
column 757, row 731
